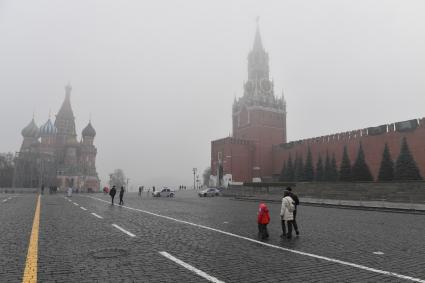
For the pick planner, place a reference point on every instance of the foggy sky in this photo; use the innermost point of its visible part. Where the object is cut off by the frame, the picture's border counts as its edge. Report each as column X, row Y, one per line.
column 159, row 77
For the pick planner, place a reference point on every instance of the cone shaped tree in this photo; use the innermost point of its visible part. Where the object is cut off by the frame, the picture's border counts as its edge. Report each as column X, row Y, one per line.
column 405, row 167
column 386, row 170
column 319, row 170
column 327, row 173
column 289, row 174
column 360, row 170
column 282, row 173
column 299, row 168
column 333, row 170
column 308, row 167
column 345, row 168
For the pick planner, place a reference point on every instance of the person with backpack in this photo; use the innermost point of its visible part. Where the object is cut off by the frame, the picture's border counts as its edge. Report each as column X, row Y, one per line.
column 287, row 215
column 263, row 218
column 112, row 193
column 297, row 202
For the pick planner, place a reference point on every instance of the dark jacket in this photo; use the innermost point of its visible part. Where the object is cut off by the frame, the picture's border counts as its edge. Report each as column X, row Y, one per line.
column 295, row 198
column 121, row 192
column 112, row 192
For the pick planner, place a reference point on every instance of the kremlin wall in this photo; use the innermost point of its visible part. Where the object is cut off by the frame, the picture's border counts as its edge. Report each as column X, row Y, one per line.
column 373, row 140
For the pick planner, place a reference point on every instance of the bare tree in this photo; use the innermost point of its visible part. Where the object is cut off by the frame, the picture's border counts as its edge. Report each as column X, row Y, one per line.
column 117, row 178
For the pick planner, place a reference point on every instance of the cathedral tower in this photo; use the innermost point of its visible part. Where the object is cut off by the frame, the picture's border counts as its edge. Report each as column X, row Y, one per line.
column 65, row 121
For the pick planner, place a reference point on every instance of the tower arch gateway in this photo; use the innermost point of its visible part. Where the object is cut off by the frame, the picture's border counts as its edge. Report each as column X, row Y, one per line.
column 259, row 122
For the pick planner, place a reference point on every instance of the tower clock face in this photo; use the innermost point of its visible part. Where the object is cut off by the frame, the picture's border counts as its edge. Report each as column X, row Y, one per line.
column 249, row 86
column 266, row 85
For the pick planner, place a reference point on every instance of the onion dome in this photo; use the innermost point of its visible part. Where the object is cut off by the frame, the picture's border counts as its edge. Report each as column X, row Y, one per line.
column 89, row 131
column 30, row 131
column 48, row 129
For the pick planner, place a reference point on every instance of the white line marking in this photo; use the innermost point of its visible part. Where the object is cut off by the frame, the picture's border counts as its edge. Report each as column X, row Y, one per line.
column 123, row 230
column 378, row 253
column 342, row 262
column 75, row 203
column 191, row 268
column 96, row 215
column 83, row 208
column 4, row 200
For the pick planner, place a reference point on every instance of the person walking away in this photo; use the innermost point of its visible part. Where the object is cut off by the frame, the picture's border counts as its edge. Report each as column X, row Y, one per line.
column 112, row 193
column 69, row 192
column 42, row 189
column 140, row 191
column 287, row 215
column 121, row 195
column 263, row 218
column 296, row 202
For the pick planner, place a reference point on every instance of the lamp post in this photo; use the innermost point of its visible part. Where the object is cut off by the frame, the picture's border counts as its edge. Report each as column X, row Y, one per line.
column 194, row 178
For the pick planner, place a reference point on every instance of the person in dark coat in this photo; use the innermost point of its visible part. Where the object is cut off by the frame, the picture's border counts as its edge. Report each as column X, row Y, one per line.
column 121, row 195
column 296, row 202
column 112, row 193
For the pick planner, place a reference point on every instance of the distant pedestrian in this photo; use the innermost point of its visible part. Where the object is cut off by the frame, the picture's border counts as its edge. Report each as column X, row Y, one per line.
column 42, row 189
column 112, row 193
column 153, row 189
column 69, row 192
column 263, row 219
column 296, row 202
column 140, row 191
column 287, row 215
column 121, row 195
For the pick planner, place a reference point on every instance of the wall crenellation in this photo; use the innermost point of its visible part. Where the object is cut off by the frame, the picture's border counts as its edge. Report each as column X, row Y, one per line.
column 357, row 135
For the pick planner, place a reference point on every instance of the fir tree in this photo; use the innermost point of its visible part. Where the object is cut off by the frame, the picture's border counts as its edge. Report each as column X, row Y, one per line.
column 405, row 166
column 308, row 167
column 333, row 176
column 386, row 170
column 319, row 170
column 282, row 173
column 327, row 173
column 360, row 170
column 345, row 168
column 289, row 174
column 299, row 168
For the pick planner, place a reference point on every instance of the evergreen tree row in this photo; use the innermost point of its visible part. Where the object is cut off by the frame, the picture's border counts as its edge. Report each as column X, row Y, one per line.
column 326, row 170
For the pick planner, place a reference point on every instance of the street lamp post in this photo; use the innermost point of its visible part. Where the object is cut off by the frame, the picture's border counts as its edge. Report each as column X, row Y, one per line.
column 194, row 178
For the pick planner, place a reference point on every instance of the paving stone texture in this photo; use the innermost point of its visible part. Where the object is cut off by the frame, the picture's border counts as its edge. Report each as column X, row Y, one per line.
column 75, row 246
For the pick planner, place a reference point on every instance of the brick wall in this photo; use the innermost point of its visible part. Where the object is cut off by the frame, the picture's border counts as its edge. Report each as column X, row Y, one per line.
column 372, row 139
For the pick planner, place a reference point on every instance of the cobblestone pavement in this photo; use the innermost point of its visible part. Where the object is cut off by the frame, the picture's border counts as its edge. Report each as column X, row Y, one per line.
column 16, row 216
column 78, row 243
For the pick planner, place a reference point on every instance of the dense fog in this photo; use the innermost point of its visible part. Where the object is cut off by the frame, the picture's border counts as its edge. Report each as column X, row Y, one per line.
column 158, row 78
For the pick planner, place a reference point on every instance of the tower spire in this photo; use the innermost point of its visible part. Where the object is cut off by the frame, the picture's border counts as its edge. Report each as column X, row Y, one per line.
column 258, row 44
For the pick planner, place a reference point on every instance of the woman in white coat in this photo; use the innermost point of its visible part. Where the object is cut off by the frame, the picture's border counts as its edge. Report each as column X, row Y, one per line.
column 287, row 215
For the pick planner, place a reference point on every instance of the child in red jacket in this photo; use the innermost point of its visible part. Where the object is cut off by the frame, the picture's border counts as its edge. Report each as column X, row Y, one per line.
column 263, row 219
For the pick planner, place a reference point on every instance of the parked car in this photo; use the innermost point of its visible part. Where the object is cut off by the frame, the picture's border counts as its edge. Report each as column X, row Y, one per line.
column 210, row 192
column 165, row 192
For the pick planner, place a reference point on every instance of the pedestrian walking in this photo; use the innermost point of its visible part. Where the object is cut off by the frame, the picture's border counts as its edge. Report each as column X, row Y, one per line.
column 296, row 202
column 112, row 193
column 69, row 192
column 287, row 215
column 140, row 191
column 121, row 195
column 42, row 189
column 263, row 218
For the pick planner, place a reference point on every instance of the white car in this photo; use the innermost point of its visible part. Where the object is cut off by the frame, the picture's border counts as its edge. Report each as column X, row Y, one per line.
column 165, row 192
column 210, row 192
